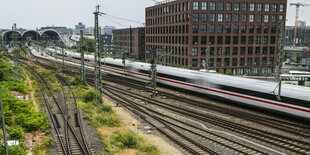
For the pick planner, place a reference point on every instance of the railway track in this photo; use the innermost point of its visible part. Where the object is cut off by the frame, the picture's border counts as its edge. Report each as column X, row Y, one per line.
column 293, row 146
column 57, row 116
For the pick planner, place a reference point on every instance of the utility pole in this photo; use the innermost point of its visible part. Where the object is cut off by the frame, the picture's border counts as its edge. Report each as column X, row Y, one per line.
column 82, row 56
column 130, row 41
column 98, row 78
column 279, row 60
column 153, row 69
column 207, row 62
column 3, row 125
column 164, row 50
column 15, row 50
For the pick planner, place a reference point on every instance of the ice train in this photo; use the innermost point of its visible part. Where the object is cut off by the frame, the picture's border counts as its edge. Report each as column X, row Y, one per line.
column 295, row 100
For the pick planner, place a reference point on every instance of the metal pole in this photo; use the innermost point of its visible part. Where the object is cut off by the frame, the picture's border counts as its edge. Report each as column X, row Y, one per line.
column 279, row 59
column 82, row 56
column 153, row 69
column 165, row 56
column 98, row 88
column 63, row 57
column 207, row 62
column 3, row 125
column 15, row 50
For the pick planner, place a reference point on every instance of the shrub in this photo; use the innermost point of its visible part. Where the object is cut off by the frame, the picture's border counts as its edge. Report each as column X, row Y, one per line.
column 77, row 80
column 56, row 89
column 14, row 86
column 48, row 75
column 16, row 133
column 104, row 108
column 14, row 150
column 43, row 144
column 148, row 149
column 89, row 95
column 110, row 120
column 128, row 140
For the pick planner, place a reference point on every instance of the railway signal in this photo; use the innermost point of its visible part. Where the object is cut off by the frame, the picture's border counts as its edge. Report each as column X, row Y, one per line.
column 153, row 69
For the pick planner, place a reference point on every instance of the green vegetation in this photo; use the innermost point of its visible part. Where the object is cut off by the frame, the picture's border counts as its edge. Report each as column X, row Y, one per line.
column 48, row 75
column 19, row 115
column 77, row 80
column 229, row 73
column 89, row 44
column 148, row 149
column 297, row 58
column 89, row 96
column 42, row 144
column 127, row 140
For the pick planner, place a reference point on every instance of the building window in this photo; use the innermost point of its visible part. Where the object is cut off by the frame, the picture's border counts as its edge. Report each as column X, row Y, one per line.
column 202, row 62
column 242, row 51
column 251, row 20
column 274, row 7
column 281, row 7
column 271, row 60
column 195, row 5
column 260, row 7
column 228, row 29
column 203, row 51
column 194, row 62
column 272, row 49
column 235, row 40
column 267, row 6
column 219, row 51
column 234, row 61
column 266, row 18
column 212, row 51
column 195, row 17
column 235, row 51
column 203, row 28
column 251, row 29
column 272, row 40
column 251, row 39
column 266, row 29
column 220, row 29
column 243, row 39
column 236, row 18
column 212, row 17
column 212, row 29
column 195, row 28
column 280, row 18
column 243, row 29
column 242, row 62
column 212, row 6
column 227, row 40
column 252, row 7
column 265, row 40
column 243, row 18
column 227, row 51
column 211, row 41
column 244, row 6
column 259, row 18
column 195, row 40
column 265, row 50
column 237, row 6
column 250, row 50
column 257, row 51
column 220, row 6
column 273, row 18
column 258, row 29
column 204, row 6
column 256, row 61
column 194, row 51
column 228, row 6
column 236, row 29
column 218, row 62
column 203, row 17
column 203, row 40
column 249, row 61
column 211, row 62
column 273, row 29
column 220, row 17
column 258, row 40
column 228, row 17
column 226, row 62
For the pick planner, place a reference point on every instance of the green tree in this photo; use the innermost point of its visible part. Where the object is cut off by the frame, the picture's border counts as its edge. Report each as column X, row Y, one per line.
column 89, row 43
column 285, row 56
column 297, row 58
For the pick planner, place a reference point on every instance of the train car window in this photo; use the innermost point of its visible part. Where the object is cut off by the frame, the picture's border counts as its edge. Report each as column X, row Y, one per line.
column 172, row 77
column 112, row 65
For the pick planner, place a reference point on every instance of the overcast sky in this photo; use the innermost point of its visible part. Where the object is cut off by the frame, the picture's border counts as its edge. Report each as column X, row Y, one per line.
column 30, row 14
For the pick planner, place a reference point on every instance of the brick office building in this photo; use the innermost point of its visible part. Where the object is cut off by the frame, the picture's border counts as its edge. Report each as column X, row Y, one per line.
column 242, row 34
column 121, row 42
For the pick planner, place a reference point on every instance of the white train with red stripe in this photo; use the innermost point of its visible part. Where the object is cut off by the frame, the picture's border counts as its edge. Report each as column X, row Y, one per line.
column 295, row 100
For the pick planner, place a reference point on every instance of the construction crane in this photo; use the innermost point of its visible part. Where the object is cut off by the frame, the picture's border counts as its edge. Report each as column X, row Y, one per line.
column 296, row 18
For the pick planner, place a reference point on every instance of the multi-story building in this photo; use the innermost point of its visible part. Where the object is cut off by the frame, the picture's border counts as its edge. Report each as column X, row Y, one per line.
column 242, row 34
column 107, row 30
column 131, row 41
column 303, row 36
